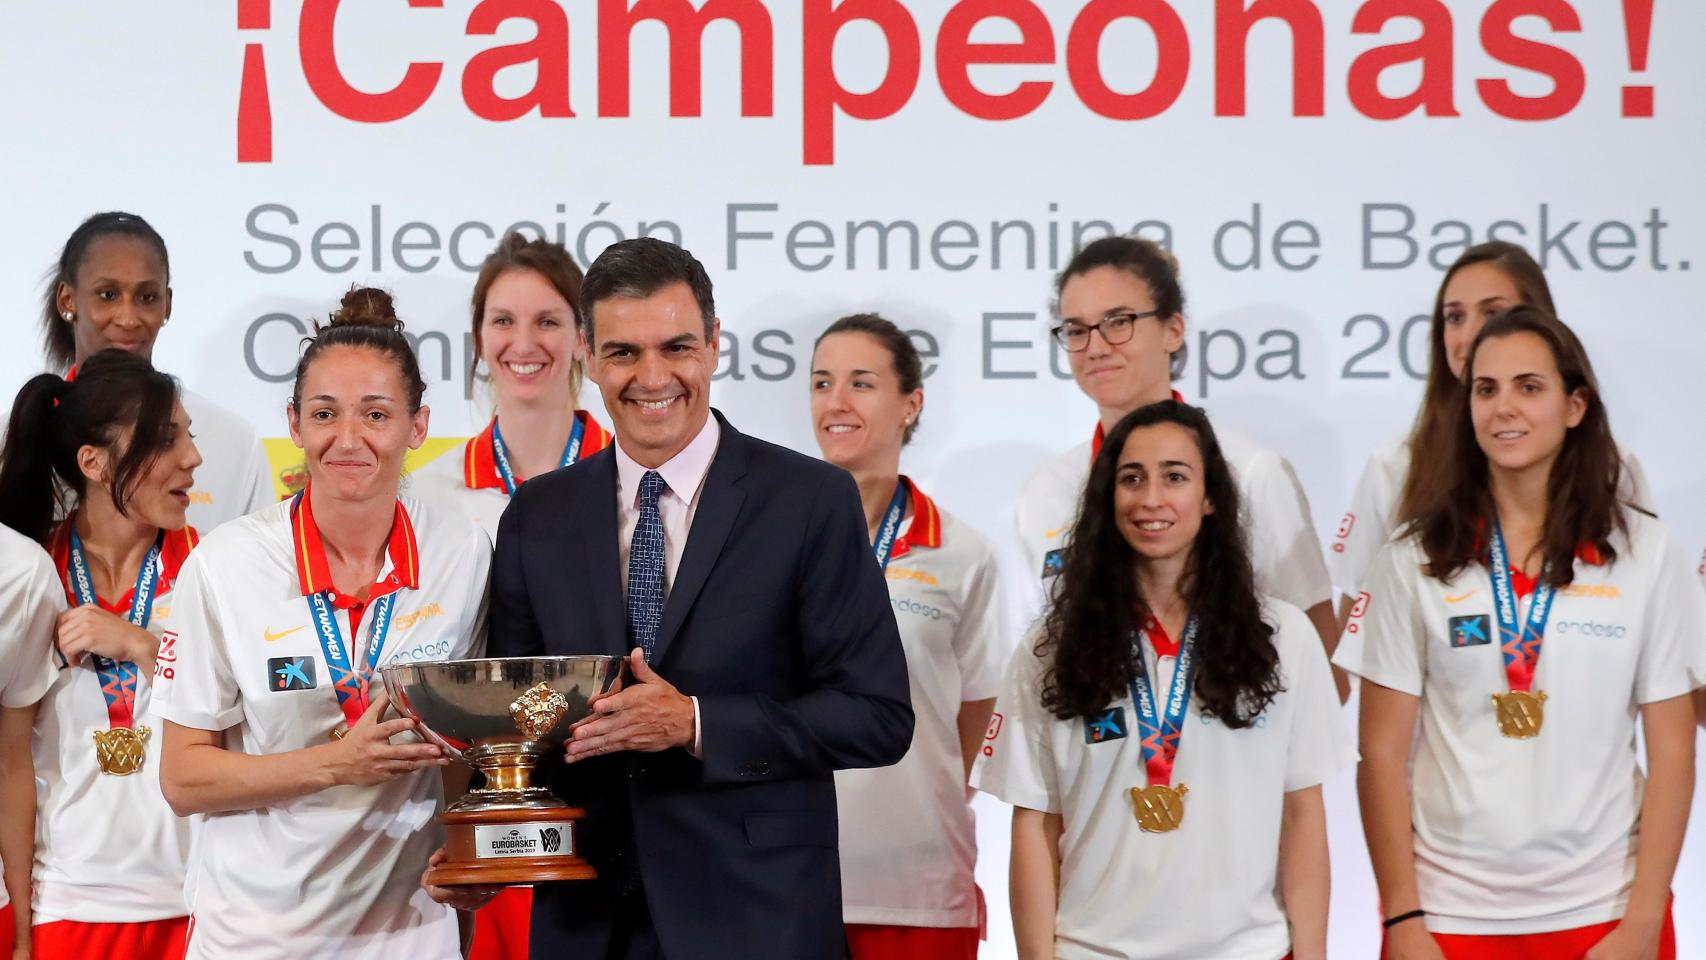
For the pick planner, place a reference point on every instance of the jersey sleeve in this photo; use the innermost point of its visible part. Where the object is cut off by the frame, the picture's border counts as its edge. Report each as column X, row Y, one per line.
column 1385, row 641
column 27, row 670
column 1283, row 544
column 194, row 685
column 980, row 637
column 1673, row 646
column 1319, row 745
column 1017, row 761
column 1363, row 530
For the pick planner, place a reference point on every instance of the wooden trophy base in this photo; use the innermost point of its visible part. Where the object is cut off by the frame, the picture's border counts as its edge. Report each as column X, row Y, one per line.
column 510, row 847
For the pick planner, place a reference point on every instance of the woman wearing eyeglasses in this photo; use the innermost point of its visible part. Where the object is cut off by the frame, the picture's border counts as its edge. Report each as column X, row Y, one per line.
column 1122, row 319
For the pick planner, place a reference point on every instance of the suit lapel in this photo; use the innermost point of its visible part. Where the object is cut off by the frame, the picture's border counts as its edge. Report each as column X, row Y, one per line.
column 719, row 507
column 595, row 519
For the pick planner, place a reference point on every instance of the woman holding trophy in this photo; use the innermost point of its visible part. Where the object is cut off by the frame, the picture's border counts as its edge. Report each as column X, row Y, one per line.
column 317, row 824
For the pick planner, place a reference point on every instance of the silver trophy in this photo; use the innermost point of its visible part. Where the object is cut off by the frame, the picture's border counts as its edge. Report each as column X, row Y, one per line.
column 501, row 716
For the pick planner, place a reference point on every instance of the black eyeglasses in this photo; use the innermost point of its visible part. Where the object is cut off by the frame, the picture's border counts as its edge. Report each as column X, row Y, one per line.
column 1116, row 329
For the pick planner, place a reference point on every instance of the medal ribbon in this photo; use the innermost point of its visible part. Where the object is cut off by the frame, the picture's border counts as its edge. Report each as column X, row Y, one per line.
column 889, row 530
column 118, row 677
column 1521, row 648
column 500, row 453
column 351, row 684
column 1159, row 735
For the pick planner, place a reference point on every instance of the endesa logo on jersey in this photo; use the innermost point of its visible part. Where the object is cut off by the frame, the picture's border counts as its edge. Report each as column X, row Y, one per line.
column 903, row 605
column 1589, row 628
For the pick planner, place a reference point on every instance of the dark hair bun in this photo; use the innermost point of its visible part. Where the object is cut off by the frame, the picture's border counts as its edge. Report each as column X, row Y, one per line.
column 366, row 307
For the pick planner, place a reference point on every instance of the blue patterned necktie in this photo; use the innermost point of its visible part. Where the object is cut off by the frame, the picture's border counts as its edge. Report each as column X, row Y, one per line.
column 645, row 568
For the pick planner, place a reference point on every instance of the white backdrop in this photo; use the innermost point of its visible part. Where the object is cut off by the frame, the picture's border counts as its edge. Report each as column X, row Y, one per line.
column 1302, row 341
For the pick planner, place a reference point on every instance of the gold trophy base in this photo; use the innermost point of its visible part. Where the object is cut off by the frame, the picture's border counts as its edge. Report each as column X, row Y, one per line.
column 469, row 843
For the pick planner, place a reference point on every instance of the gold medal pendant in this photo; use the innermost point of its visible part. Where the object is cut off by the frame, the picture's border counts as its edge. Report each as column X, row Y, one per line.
column 1520, row 713
column 119, row 751
column 1159, row 808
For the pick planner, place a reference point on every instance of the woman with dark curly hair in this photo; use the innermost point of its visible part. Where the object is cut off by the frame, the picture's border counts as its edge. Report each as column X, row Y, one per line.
column 1164, row 741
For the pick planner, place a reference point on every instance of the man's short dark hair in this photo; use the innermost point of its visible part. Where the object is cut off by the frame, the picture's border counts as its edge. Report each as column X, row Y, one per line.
column 641, row 267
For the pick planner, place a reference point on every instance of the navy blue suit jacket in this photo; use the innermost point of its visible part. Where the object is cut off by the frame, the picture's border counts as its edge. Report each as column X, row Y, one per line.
column 778, row 620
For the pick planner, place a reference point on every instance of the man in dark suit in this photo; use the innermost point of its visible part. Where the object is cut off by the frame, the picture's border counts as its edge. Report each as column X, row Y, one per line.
column 738, row 578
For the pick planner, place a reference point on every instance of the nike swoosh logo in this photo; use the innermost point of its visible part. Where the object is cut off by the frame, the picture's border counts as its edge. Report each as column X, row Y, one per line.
column 281, row 634
column 1459, row 598
column 1051, row 534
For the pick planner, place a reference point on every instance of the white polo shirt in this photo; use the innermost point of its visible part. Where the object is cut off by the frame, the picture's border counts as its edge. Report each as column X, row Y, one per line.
column 234, row 478
column 1369, row 523
column 30, row 600
column 1530, row 836
column 1283, row 545
column 467, row 479
column 908, row 838
column 1210, row 889
column 334, row 873
column 108, row 848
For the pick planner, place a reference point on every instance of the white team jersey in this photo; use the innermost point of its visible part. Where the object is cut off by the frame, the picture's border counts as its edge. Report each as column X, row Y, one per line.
column 1283, row 545
column 108, row 848
column 336, row 873
column 908, row 839
column 1369, row 523
column 233, row 479
column 467, row 478
column 1210, row 889
column 1530, row 836
column 30, row 599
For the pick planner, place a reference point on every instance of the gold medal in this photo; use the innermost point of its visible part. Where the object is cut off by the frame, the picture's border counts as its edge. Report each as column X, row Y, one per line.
column 1159, row 808
column 338, row 733
column 1520, row 713
column 119, row 751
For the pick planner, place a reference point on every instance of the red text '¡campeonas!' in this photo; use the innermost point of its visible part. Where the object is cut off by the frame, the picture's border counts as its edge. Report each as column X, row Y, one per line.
column 1033, row 47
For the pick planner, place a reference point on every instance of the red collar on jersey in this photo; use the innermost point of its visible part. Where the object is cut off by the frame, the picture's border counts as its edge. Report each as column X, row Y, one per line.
column 1096, row 438
column 1164, row 645
column 174, row 550
column 314, row 573
column 926, row 529
column 480, row 464
column 1521, row 582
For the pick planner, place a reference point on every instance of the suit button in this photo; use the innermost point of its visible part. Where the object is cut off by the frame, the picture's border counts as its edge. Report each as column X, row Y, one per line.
column 763, row 769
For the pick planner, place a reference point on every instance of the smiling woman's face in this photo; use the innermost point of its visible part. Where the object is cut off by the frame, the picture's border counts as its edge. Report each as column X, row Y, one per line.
column 354, row 423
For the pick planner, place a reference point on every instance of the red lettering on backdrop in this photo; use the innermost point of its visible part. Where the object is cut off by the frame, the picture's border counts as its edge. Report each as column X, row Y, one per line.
column 1084, row 58
column 955, row 54
column 824, row 95
column 316, row 36
column 686, row 28
column 1232, row 23
column 1433, row 95
column 1502, row 43
column 548, row 51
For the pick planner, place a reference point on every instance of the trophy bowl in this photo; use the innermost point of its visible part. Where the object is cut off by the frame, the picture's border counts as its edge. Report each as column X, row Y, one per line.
column 501, row 716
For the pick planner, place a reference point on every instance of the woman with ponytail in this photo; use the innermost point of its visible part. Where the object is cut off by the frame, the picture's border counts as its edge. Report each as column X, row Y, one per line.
column 317, row 826
column 112, row 288
column 99, row 470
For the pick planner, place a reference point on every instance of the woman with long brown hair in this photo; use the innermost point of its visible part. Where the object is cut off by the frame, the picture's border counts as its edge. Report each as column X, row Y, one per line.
column 1164, row 742
column 1519, row 821
column 1485, row 280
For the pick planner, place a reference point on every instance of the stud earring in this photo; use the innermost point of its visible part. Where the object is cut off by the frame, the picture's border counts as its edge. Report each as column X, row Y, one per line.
column 68, row 315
